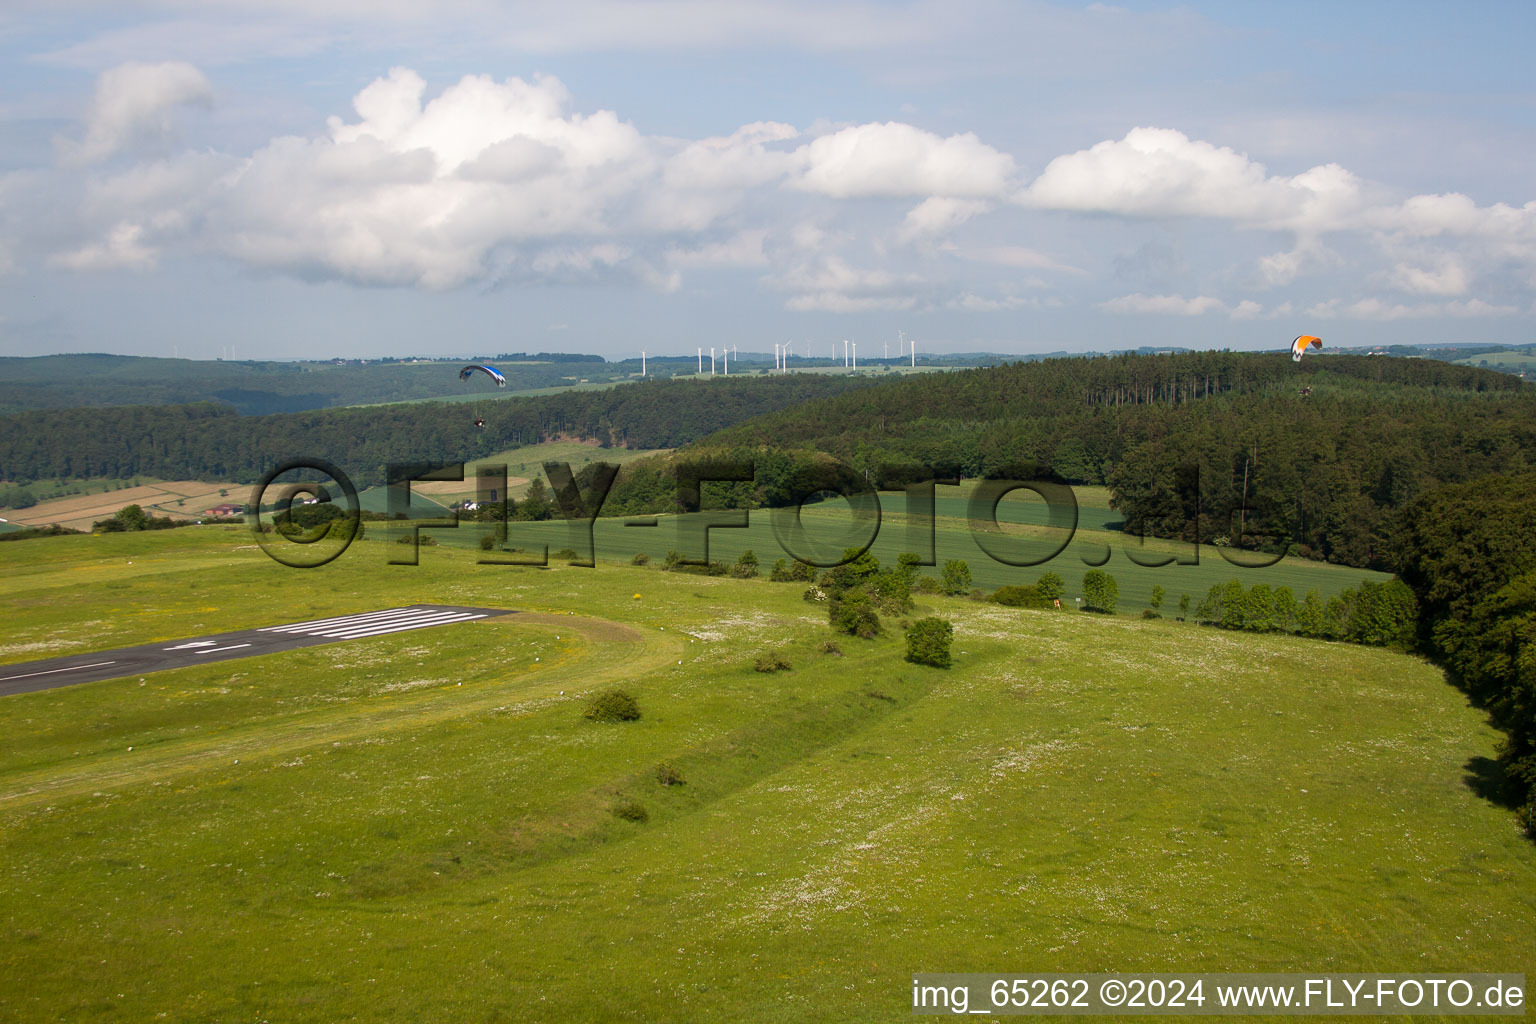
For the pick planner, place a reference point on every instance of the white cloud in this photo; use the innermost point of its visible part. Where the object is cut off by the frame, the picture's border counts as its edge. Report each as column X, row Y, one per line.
column 133, row 102
column 1159, row 172
column 1376, row 309
column 897, row 160
column 121, row 249
column 1166, row 305
column 970, row 302
column 938, row 215
column 1448, row 277
column 835, row 287
column 743, row 250
column 1017, row 256
column 1246, row 310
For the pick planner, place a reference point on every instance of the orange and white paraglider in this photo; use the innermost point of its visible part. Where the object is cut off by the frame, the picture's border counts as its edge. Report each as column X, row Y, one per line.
column 1301, row 344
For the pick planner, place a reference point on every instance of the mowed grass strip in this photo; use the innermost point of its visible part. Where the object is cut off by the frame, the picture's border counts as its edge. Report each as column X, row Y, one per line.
column 1078, row 793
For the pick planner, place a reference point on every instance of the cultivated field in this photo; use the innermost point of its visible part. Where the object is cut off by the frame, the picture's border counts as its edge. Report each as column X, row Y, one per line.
column 421, row 826
column 176, row 499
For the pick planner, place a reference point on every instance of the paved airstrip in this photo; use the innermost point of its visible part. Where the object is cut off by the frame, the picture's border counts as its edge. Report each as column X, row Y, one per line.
column 168, row 654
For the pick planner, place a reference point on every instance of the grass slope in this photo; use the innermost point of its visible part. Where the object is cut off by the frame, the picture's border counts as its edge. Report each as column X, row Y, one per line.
column 420, row 826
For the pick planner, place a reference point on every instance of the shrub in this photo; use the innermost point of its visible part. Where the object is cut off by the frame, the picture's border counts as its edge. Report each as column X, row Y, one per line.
column 1183, row 607
column 641, row 558
column 1021, row 597
column 565, row 554
column 956, row 577
column 613, row 706
column 926, row 585
column 487, row 542
column 928, row 642
column 668, row 775
column 1285, row 609
column 780, row 572
column 830, row 647
column 773, row 661
column 631, row 810
column 860, row 569
column 891, row 590
column 814, row 594
column 1150, row 613
column 1100, row 591
column 1051, row 586
column 852, row 612
column 1158, row 593
column 673, row 560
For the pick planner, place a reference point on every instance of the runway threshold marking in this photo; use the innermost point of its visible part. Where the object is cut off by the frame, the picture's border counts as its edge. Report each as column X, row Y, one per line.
column 159, row 657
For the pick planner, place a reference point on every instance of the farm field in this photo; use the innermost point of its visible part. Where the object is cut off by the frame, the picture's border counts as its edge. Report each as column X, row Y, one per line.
column 175, row 499
column 421, row 825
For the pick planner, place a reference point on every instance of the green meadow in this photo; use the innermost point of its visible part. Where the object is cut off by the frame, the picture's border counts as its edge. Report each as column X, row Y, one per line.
column 1021, row 536
column 421, row 826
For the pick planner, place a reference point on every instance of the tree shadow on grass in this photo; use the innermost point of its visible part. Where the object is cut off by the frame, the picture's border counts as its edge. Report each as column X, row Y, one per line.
column 1486, row 777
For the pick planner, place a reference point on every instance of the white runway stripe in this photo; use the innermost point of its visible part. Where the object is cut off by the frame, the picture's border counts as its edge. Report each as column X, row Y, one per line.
column 216, row 650
column 402, row 629
column 394, row 620
column 317, row 624
column 399, row 627
column 51, row 671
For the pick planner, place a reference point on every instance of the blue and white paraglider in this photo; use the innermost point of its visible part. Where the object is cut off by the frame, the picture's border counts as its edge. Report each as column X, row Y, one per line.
column 491, row 372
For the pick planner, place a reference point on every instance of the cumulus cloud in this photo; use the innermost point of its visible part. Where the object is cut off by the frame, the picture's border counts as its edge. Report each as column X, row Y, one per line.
column 1166, row 305
column 133, row 102
column 833, row 286
column 1449, row 276
column 939, row 215
column 122, row 248
column 1159, row 172
column 507, row 180
column 897, row 160
column 1376, row 309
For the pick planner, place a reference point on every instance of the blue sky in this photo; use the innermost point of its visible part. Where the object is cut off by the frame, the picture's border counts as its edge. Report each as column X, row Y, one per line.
column 340, row 177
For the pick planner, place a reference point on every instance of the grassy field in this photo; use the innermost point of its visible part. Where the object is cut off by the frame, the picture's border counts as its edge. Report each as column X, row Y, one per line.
column 421, row 826
column 831, row 526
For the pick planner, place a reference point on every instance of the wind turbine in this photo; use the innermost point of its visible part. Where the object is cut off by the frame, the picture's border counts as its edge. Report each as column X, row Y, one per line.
column 855, row 355
column 778, row 363
column 642, row 362
column 786, row 355
column 725, row 358
column 711, row 360
column 701, row 362
column 845, row 352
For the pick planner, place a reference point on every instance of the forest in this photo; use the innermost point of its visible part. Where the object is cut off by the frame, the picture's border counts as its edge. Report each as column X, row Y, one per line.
column 212, row 442
column 1248, row 450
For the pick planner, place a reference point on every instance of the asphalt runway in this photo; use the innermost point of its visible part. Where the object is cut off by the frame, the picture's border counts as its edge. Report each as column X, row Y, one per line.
column 167, row 654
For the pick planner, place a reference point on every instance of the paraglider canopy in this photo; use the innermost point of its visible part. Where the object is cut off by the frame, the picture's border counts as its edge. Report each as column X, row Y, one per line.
column 1301, row 344
column 489, row 371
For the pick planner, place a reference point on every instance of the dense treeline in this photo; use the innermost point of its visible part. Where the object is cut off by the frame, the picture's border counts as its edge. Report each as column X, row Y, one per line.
column 208, row 441
column 1221, row 443
column 1469, row 553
